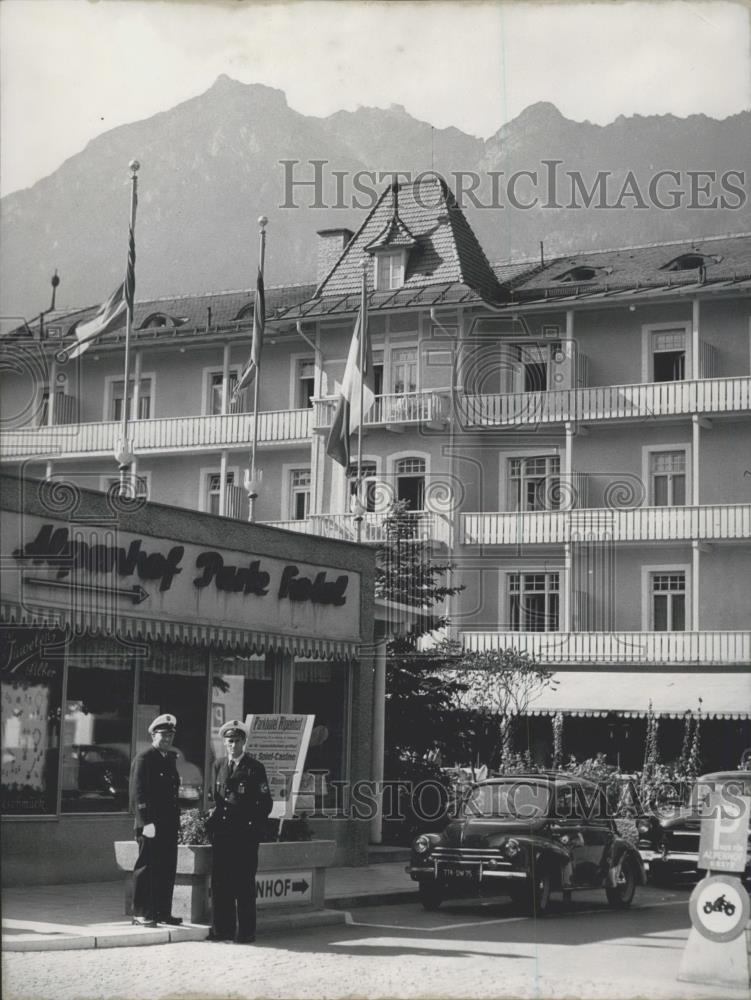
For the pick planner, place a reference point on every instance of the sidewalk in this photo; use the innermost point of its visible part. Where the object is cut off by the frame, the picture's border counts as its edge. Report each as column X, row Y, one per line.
column 90, row 915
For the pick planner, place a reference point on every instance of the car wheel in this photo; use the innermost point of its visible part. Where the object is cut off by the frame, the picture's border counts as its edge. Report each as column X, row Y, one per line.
column 621, row 895
column 533, row 897
column 431, row 896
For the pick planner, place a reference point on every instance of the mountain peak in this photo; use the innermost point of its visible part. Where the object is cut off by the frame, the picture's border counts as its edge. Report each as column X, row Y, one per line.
column 225, row 87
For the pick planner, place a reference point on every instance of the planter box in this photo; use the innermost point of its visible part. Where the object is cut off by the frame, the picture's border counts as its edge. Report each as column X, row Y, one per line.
column 283, row 869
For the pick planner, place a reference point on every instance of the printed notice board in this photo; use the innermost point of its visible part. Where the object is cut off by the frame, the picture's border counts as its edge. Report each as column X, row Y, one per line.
column 280, row 743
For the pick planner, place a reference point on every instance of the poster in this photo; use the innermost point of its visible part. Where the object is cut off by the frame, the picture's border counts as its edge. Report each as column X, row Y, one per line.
column 31, row 680
column 280, row 743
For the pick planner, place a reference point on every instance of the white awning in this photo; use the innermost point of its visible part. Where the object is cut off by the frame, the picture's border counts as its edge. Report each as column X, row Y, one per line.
column 723, row 695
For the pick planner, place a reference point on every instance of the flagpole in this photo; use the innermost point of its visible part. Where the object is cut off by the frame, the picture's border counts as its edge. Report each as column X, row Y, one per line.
column 253, row 483
column 124, row 455
column 363, row 333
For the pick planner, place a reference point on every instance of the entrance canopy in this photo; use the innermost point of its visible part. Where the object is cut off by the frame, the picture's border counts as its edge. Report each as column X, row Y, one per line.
column 590, row 693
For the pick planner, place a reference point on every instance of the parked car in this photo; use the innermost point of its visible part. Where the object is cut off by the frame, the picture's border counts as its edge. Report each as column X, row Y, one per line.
column 669, row 837
column 527, row 836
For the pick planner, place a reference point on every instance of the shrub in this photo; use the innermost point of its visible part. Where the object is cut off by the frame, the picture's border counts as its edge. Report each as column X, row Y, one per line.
column 193, row 828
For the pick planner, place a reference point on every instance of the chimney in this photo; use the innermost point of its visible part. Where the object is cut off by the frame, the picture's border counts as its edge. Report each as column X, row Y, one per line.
column 331, row 242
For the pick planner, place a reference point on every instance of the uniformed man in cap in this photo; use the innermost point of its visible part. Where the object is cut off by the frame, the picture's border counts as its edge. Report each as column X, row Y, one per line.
column 154, row 799
column 242, row 804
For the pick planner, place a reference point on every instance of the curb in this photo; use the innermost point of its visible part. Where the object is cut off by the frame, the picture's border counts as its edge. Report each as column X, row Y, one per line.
column 374, row 899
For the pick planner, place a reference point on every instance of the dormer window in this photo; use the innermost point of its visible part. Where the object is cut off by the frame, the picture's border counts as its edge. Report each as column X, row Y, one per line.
column 389, row 269
column 579, row 274
column 689, row 262
column 156, row 320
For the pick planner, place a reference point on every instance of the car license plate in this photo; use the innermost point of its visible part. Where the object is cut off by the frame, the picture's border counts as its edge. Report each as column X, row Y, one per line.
column 473, row 874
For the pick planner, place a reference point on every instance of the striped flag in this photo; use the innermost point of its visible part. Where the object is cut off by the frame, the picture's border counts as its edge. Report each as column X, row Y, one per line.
column 109, row 316
column 259, row 321
column 347, row 415
column 130, row 272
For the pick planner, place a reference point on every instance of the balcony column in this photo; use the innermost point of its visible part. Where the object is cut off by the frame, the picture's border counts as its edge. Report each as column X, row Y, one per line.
column 379, row 739
column 51, row 393
column 566, row 590
column 225, row 380
column 695, row 448
column 695, row 366
column 136, row 400
column 223, row 484
column 695, row 561
column 317, row 457
column 567, row 493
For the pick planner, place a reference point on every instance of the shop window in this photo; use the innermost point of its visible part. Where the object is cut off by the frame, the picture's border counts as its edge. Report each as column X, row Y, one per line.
column 144, row 399
column 667, row 478
column 321, row 690
column 31, row 691
column 668, row 602
column 97, row 727
column 241, row 687
column 410, row 482
column 175, row 679
column 534, row 483
column 533, row 602
column 299, row 494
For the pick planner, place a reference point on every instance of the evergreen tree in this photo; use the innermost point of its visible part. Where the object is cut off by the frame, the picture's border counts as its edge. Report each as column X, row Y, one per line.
column 694, row 756
column 557, row 741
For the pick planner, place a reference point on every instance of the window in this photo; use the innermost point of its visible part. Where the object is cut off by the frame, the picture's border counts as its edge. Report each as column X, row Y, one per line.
column 668, row 602
column 142, row 484
column 367, row 488
column 214, row 395
column 534, row 483
column 299, row 494
column 213, row 484
column 688, row 262
column 389, row 270
column 667, row 478
column 144, row 399
column 378, row 372
column 242, row 686
column 410, row 482
column 668, row 356
column 404, row 370
column 579, row 274
column 321, row 689
column 533, row 602
column 305, row 382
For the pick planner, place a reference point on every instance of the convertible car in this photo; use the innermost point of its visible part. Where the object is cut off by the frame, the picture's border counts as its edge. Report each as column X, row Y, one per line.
column 527, row 837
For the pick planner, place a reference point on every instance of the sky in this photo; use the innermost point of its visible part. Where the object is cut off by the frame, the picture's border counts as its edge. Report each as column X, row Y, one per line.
column 71, row 69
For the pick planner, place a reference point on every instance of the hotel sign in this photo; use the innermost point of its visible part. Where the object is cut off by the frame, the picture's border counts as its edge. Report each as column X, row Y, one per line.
column 57, row 564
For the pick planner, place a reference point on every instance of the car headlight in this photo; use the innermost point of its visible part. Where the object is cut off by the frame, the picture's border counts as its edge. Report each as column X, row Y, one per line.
column 421, row 845
column 511, row 848
column 643, row 826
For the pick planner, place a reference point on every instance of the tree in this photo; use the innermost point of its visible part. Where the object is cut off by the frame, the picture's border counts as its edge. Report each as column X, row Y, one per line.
column 499, row 684
column 420, row 701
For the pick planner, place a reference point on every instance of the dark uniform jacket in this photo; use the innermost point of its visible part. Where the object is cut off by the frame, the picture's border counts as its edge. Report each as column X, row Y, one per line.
column 242, row 800
column 154, row 790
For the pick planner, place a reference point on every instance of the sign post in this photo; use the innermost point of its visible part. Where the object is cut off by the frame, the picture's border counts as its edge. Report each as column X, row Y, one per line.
column 716, row 952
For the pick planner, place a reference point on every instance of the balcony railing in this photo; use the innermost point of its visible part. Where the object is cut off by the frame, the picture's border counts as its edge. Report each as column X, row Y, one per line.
column 162, row 434
column 430, row 406
column 428, row 526
column 641, row 524
column 610, row 402
column 705, row 648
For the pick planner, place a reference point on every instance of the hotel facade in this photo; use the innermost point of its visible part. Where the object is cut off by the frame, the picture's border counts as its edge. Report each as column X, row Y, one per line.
column 574, row 435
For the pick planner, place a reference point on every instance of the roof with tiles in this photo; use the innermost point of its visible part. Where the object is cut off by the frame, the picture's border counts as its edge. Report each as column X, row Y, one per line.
column 446, row 250
column 656, row 265
column 214, row 310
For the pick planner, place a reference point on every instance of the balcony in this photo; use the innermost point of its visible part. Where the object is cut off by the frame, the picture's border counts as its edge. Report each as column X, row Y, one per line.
column 393, row 411
column 701, row 648
column 161, row 435
column 610, row 402
column 429, row 527
column 640, row 524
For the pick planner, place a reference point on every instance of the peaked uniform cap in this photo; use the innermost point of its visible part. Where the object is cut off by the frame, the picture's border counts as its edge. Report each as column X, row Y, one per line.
column 165, row 721
column 234, row 726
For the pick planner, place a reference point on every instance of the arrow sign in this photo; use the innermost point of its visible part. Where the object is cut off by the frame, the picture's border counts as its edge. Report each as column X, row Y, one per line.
column 300, row 886
column 278, row 888
column 136, row 593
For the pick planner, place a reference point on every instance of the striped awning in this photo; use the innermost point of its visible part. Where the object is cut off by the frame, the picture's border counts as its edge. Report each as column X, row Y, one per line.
column 601, row 693
column 187, row 633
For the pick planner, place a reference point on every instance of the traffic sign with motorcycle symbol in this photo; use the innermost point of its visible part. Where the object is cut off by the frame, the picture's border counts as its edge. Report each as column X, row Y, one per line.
column 719, row 908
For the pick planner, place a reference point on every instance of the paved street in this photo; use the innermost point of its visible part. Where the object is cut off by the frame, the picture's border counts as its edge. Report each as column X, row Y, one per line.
column 465, row 949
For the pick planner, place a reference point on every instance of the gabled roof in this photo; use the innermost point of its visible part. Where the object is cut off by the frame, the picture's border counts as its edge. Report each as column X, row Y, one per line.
column 445, row 251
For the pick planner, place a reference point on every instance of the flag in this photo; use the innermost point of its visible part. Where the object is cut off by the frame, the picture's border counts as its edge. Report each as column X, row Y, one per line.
column 130, row 272
column 347, row 415
column 259, row 321
column 109, row 316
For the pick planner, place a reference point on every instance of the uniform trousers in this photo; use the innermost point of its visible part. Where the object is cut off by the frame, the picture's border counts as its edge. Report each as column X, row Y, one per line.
column 154, row 875
column 233, row 881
